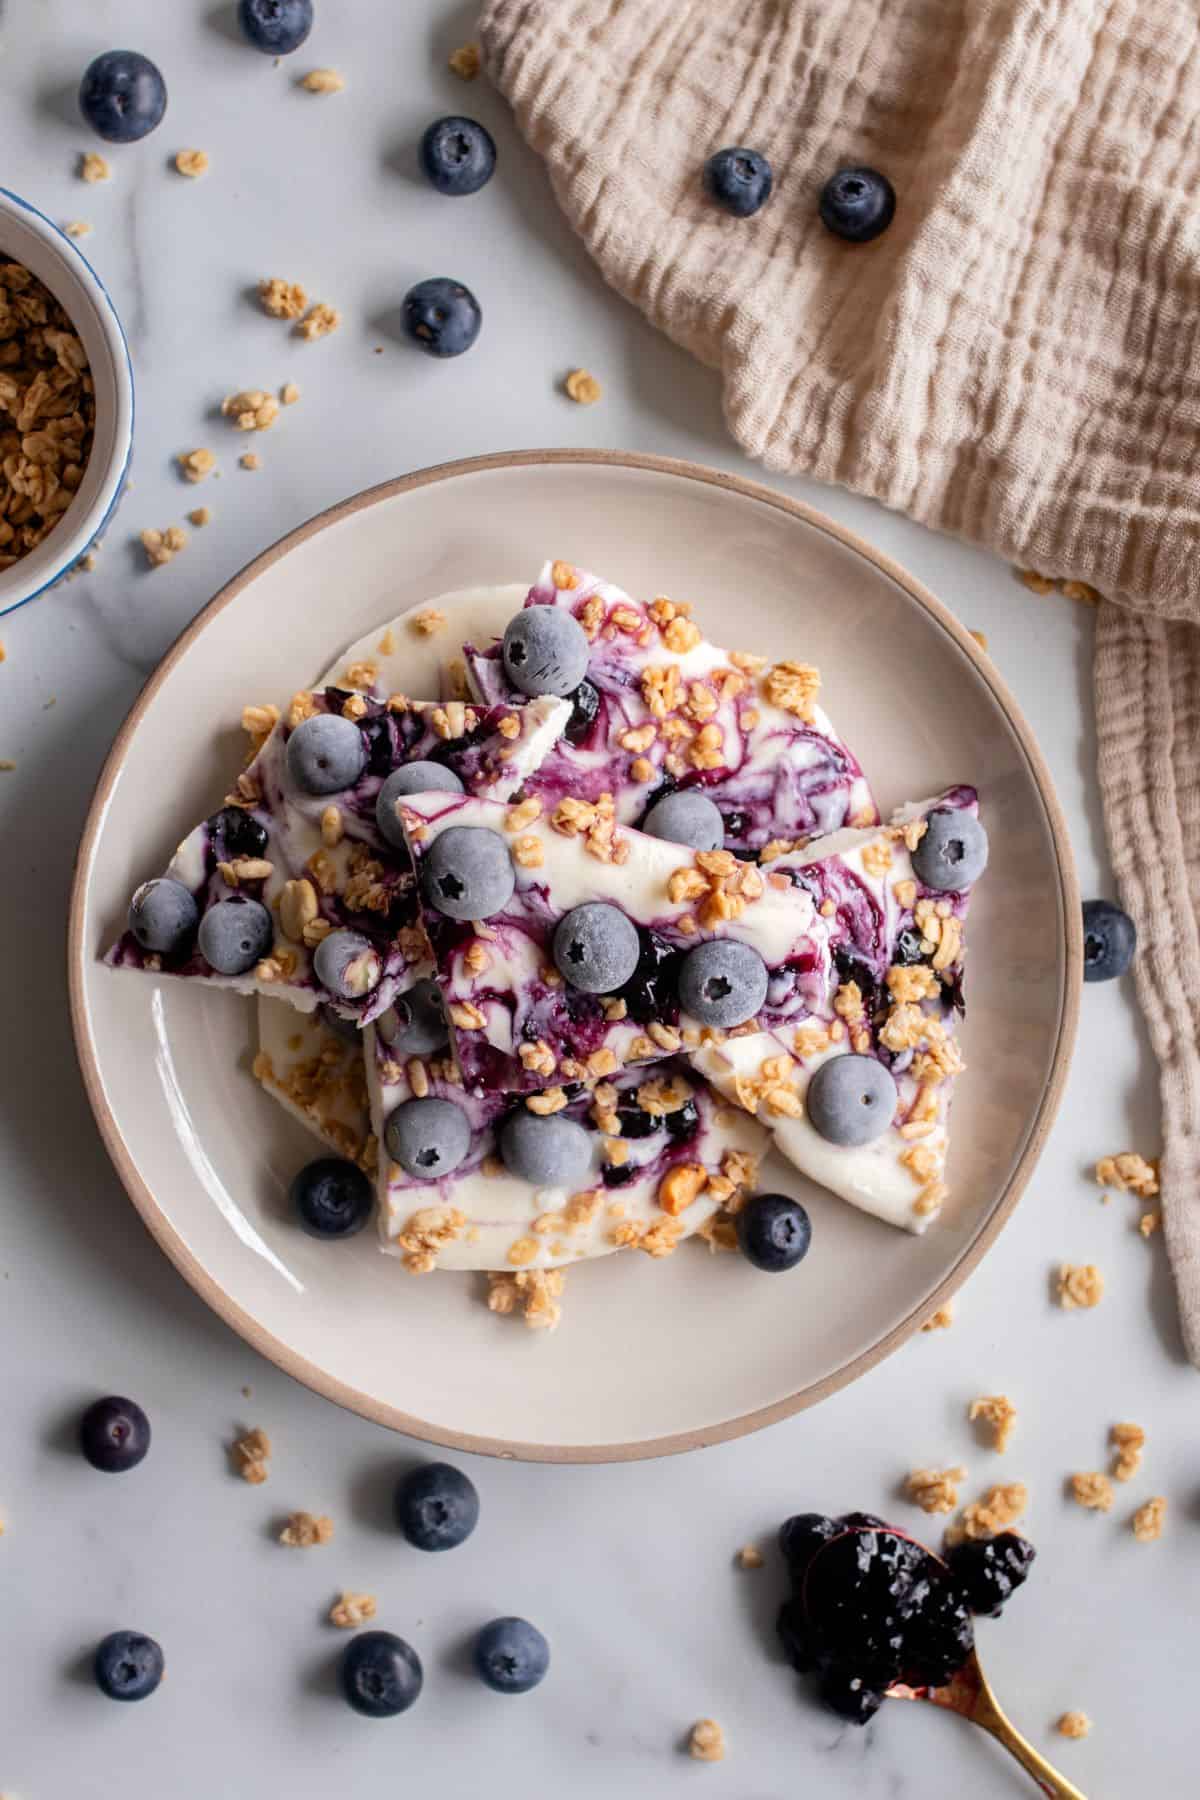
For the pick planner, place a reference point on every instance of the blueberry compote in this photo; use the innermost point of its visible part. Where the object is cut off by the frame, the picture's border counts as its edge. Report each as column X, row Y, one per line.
column 870, row 1606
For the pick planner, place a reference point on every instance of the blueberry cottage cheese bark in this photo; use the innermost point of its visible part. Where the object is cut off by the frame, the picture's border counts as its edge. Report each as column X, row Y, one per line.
column 526, row 1014
column 875, row 1127
column 313, row 1065
column 658, row 707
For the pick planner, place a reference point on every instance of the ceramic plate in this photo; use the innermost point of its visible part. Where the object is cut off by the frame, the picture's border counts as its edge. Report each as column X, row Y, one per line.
column 651, row 1356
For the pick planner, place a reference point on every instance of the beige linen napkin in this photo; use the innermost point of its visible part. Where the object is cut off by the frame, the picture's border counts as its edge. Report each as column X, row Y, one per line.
column 1017, row 360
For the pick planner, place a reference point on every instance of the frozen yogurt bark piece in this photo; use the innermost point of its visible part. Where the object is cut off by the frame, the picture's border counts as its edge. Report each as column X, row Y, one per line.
column 313, row 1065
column 661, row 708
column 519, row 1025
column 898, row 947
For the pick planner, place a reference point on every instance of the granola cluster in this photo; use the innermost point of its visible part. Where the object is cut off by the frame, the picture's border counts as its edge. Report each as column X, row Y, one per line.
column 47, row 412
column 997, row 1509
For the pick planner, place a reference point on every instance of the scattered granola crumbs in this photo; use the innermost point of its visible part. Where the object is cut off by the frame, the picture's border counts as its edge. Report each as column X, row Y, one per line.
column 706, row 1741
column 3, row 652
column 998, row 1413
column 322, row 81
column 250, row 460
column 251, row 1454
column 282, row 299
column 1150, row 1222
column 7, row 766
column 161, row 546
column 200, row 515
column 196, row 464
column 1000, row 1507
column 78, row 228
column 935, row 1490
column 1148, row 1520
column 1079, row 1285
column 1130, row 1173
column 289, row 393
column 1073, row 1725
column 942, row 1319
column 1080, row 590
column 93, row 167
column 349, row 1611
column 980, row 638
column 583, row 388
column 1128, row 1442
column 535, row 1293
column 251, row 409
column 1037, row 584
column 427, row 621
column 750, row 1557
column 319, row 321
column 192, row 163
column 1093, row 1491
column 303, row 1531
column 387, row 643
column 465, row 62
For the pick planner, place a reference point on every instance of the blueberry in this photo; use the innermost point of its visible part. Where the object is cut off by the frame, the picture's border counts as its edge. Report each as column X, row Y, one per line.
column 416, row 1025
column 548, row 1151
column 990, row 1571
column 857, row 204
column 722, row 983
column 952, row 853
column 381, row 1675
column 801, row 1536
column 792, row 1627
column 908, row 946
column 238, row 833
column 652, row 990
column 377, row 733
column 339, row 1024
column 114, row 1434
column 235, row 934
column 468, row 873
column 545, row 651
column 850, row 1697
column 429, row 1137
column 326, row 754
column 411, row 778
column 1109, row 940
column 437, row 1507
column 122, row 96
column 585, row 704
column 441, row 316
column 686, row 817
column 683, row 1122
column 773, row 1232
column 276, row 27
column 851, row 1100
column 458, row 155
column 739, row 180
column 332, row 1197
column 163, row 916
column 595, row 947
column 511, row 1656
column 347, row 964
column 880, row 1608
column 128, row 1665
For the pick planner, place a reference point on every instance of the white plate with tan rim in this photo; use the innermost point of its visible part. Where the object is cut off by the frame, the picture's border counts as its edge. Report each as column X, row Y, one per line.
column 652, row 1356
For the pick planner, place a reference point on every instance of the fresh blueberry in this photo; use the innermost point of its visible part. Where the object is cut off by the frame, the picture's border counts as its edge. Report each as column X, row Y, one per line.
column 722, row 983
column 437, row 1506
column 458, row 155
column 163, row 916
column 1109, row 940
column 511, row 1656
column 773, row 1232
column 686, row 817
column 340, row 1025
column 739, row 180
column 238, row 833
column 585, row 704
column 381, row 1675
column 441, row 316
column 416, row 1024
column 468, row 873
column 410, row 778
column 429, row 1137
column 545, row 651
column 276, row 27
column 114, row 1434
column 332, row 1197
column 595, row 947
column 801, row 1536
column 128, row 1665
column 347, row 964
column 851, row 1100
column 989, row 1571
column 952, row 853
column 857, row 204
column 235, row 934
column 122, row 96
column 326, row 754
column 850, row 1697
column 546, row 1150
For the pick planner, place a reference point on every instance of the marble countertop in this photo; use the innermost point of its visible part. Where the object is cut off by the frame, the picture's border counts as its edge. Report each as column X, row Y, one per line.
column 629, row 1569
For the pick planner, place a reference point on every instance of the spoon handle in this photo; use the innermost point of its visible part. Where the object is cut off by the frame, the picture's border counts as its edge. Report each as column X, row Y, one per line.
column 988, row 1713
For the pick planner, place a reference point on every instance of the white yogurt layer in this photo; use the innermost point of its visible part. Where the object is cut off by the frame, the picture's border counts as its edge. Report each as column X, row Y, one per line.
column 315, row 1075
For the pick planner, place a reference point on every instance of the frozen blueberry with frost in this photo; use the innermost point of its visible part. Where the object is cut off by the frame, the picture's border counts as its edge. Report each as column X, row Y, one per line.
column 122, row 96
column 596, row 947
column 417, row 1024
column 163, row 916
column 235, row 934
column 326, row 754
column 546, row 1150
column 347, row 964
column 686, row 817
column 773, row 1232
column 381, row 1675
column 857, row 204
column 989, row 1571
column 545, row 651
column 437, row 1506
column 738, row 179
column 276, row 27
column 114, row 1434
column 1109, row 940
column 420, row 777
column 722, row 983
column 332, row 1197
column 428, row 1137
column 458, row 155
column 441, row 316
column 468, row 873
column 953, row 851
column 128, row 1665
column 851, row 1100
column 511, row 1656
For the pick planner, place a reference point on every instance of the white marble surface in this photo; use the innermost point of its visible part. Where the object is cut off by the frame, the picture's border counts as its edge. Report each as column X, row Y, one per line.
column 628, row 1569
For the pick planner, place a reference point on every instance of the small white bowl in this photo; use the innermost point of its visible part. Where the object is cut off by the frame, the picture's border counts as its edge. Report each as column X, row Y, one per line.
column 28, row 237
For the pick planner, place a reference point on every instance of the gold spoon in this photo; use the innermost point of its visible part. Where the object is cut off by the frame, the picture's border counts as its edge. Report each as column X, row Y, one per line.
column 968, row 1694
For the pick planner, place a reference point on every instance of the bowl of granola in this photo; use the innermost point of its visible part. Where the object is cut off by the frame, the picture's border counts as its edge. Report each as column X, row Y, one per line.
column 66, row 404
